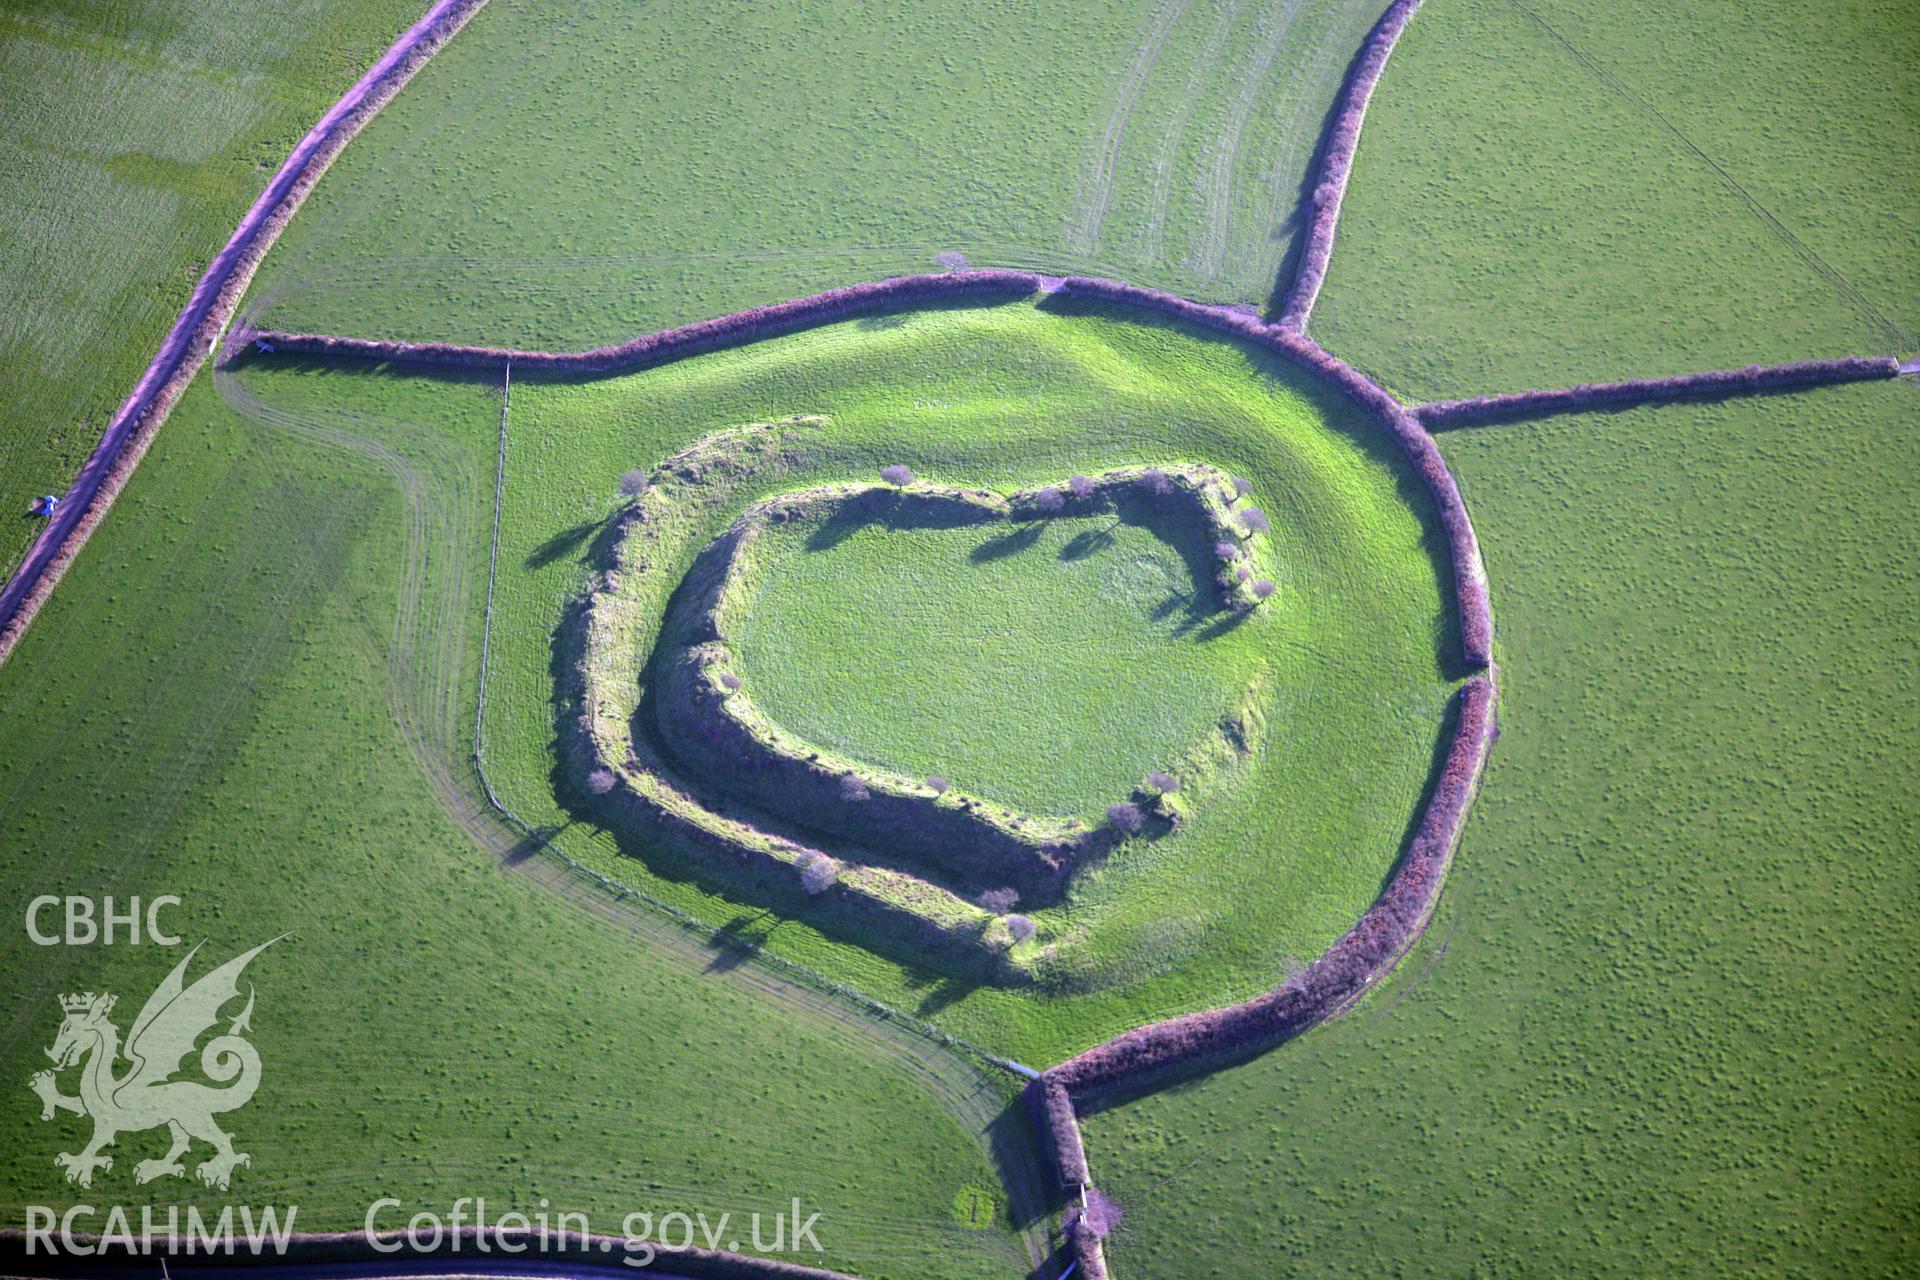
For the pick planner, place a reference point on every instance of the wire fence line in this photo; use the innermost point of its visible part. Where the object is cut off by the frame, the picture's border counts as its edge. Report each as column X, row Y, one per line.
column 1897, row 334
column 707, row 934
column 493, row 561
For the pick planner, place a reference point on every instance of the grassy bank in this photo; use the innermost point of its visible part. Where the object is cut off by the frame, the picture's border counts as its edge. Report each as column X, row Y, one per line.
column 1048, row 664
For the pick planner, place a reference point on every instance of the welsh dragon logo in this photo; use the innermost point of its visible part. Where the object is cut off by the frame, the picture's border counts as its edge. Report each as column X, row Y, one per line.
column 146, row 1095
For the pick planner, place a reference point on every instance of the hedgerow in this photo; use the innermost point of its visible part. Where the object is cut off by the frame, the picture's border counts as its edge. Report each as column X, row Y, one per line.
column 1322, row 990
column 1470, row 585
column 703, row 335
column 196, row 333
column 1337, row 164
column 1476, row 622
column 1719, row 382
column 1344, row 972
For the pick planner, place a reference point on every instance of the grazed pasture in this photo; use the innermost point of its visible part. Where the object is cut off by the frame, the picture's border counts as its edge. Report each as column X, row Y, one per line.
column 132, row 138
column 1662, row 1003
column 694, row 159
column 1009, row 396
column 256, row 691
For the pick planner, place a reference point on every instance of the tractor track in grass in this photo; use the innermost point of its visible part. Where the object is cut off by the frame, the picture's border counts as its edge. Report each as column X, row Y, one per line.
column 1216, row 205
column 431, row 636
column 1096, row 189
column 1368, row 952
column 213, row 728
column 1168, row 152
column 1285, row 197
column 284, row 268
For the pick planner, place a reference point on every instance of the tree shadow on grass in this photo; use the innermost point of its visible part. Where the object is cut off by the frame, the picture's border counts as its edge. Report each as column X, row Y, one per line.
column 755, row 895
column 564, row 543
column 1032, row 1198
column 1344, row 418
column 1221, row 624
column 1010, row 543
column 1089, row 542
column 740, row 939
column 944, row 993
column 887, row 509
column 530, row 844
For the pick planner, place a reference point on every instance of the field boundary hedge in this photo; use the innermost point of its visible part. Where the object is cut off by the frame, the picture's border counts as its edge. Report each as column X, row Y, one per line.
column 1398, row 917
column 1755, row 379
column 1328, row 987
column 196, row 331
column 749, row 325
column 1469, row 573
column 1471, row 600
column 1336, row 165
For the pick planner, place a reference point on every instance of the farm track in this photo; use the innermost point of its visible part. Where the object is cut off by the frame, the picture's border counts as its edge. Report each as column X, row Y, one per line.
column 432, row 630
column 1352, row 966
column 432, row 634
column 1083, row 234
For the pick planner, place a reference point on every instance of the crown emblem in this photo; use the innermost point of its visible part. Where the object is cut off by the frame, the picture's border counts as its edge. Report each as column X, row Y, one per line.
column 85, row 1002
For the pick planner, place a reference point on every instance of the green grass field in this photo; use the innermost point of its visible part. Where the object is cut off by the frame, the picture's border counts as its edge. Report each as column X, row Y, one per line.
column 570, row 179
column 1662, row 1024
column 1686, row 187
column 1662, row 1010
column 1665, row 1005
column 1045, row 665
column 132, row 138
column 1269, row 870
column 256, row 691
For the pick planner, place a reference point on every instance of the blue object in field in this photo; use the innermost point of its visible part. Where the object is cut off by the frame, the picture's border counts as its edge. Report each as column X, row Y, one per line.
column 45, row 506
